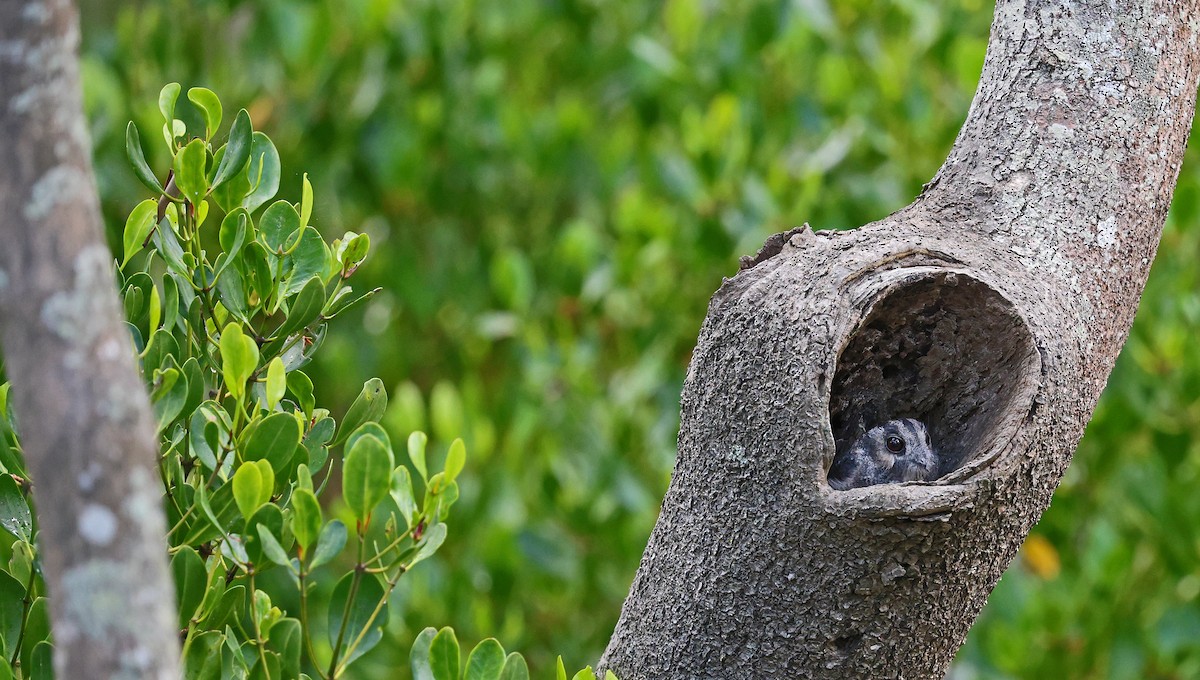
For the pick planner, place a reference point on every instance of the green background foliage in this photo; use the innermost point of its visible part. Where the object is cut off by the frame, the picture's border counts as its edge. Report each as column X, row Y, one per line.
column 553, row 189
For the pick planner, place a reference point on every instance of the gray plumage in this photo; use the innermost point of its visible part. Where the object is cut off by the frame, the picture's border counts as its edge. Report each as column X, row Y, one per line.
column 897, row 451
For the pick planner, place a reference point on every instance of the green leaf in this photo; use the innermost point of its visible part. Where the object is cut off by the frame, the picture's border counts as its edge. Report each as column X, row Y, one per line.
column 286, row 638
column 276, row 383
column 230, row 193
column 12, row 593
column 41, row 661
column 263, row 172
column 137, row 302
column 247, row 488
column 485, row 661
column 169, row 395
column 402, row 494
column 10, row 459
column 367, row 407
column 586, row 674
column 208, row 431
column 155, row 307
column 14, row 511
column 274, row 439
column 455, row 459
column 270, row 516
column 416, row 452
column 195, row 382
column 446, row 499
column 258, row 270
column 166, row 101
column 307, row 261
column 22, row 562
column 235, row 231
column 215, row 587
column 272, row 548
column 239, row 358
column 37, row 631
column 231, row 604
column 170, row 303
column 369, row 594
column 305, row 309
column 166, row 243
column 418, row 658
column 430, row 544
column 372, row 430
column 138, row 227
column 191, row 582
column 210, row 107
column 237, row 149
column 215, row 523
column 301, row 387
column 353, row 252
column 330, row 543
column 318, row 437
column 304, row 479
column 346, row 302
column 267, row 668
column 137, row 159
column 201, row 212
column 560, row 671
column 278, row 227
column 307, row 519
column 190, row 168
column 161, row 353
column 306, row 202
column 173, row 132
column 515, row 668
column 444, row 655
column 202, row 658
column 231, row 289
column 366, row 476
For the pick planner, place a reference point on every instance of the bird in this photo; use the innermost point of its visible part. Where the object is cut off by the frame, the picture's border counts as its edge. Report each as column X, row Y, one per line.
column 896, row 451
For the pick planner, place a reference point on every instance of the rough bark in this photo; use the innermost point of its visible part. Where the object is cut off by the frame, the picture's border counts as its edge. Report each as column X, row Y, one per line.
column 86, row 423
column 993, row 308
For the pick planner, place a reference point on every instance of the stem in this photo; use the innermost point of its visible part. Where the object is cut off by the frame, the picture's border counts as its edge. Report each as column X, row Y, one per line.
column 391, row 585
column 345, row 622
column 182, row 519
column 396, row 542
column 262, row 656
column 358, row 572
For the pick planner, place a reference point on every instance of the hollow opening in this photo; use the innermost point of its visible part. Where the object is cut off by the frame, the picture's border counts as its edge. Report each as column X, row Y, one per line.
column 945, row 349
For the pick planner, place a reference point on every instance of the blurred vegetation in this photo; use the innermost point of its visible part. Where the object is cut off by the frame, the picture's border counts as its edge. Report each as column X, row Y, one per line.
column 555, row 188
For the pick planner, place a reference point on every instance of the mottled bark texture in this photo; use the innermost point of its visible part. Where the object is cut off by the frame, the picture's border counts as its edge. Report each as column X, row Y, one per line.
column 85, row 420
column 993, row 308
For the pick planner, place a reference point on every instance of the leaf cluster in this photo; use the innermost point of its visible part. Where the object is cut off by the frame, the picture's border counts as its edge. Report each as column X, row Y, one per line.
column 226, row 305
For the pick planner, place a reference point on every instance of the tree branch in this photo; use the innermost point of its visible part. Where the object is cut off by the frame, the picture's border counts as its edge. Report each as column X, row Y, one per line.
column 992, row 308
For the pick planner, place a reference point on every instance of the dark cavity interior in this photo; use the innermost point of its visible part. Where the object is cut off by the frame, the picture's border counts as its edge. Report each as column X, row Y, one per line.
column 947, row 350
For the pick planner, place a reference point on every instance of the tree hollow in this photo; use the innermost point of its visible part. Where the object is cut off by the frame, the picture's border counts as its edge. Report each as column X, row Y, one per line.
column 945, row 348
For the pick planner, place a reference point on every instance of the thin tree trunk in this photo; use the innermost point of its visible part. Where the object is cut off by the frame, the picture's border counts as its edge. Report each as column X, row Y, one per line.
column 992, row 308
column 86, row 423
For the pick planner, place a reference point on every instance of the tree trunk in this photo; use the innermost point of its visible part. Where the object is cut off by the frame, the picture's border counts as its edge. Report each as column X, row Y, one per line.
column 992, row 308
column 86, row 423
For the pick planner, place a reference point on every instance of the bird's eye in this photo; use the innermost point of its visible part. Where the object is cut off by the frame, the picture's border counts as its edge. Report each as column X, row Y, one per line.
column 895, row 444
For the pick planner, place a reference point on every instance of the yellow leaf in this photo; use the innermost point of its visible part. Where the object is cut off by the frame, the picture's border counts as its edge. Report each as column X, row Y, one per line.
column 1041, row 557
